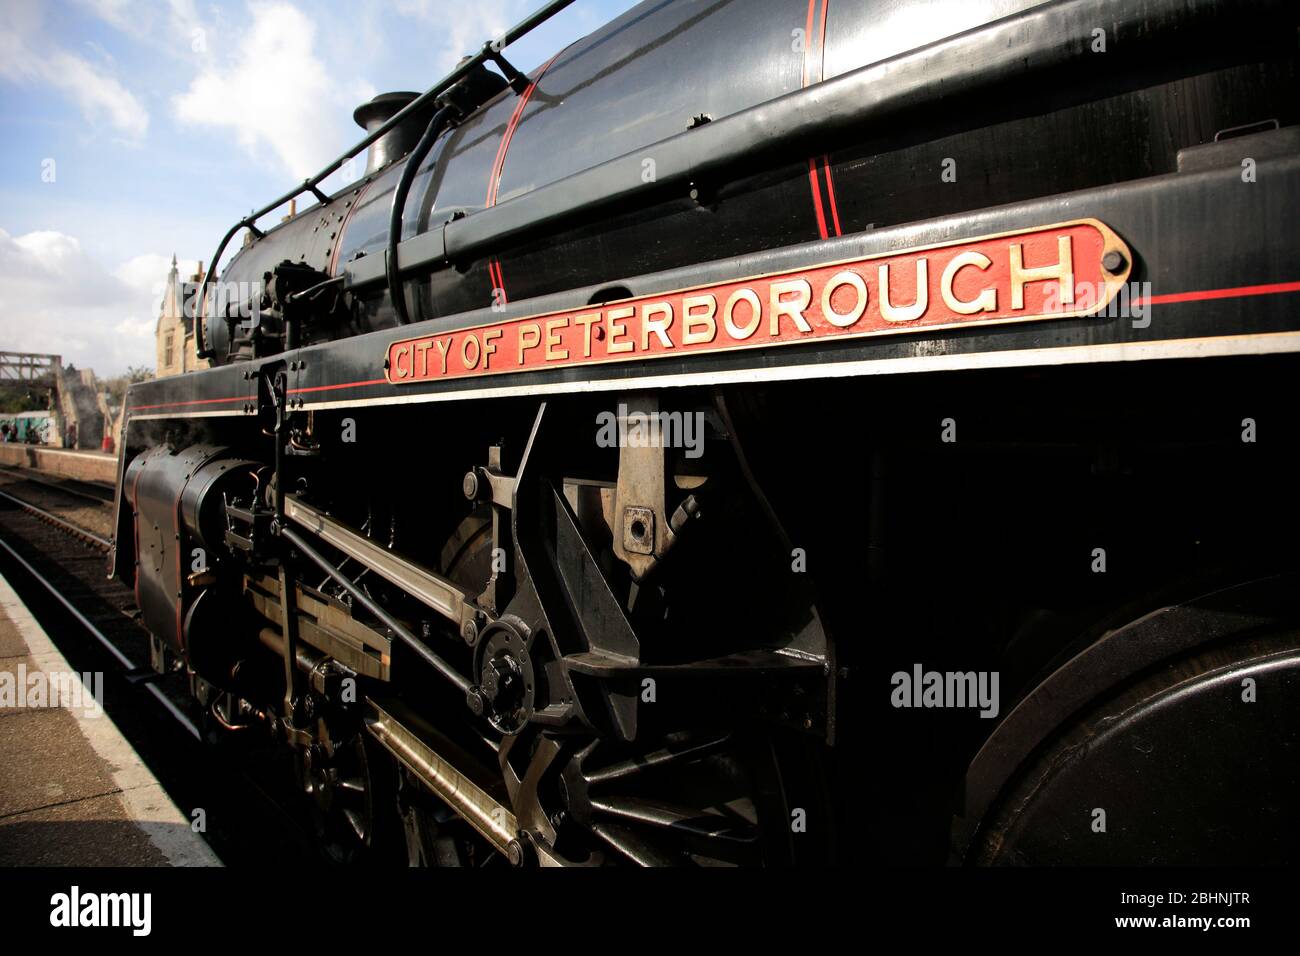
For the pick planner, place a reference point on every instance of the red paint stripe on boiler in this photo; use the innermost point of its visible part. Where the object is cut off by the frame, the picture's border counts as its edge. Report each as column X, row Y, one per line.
column 817, row 199
column 1239, row 292
column 197, row 401
column 830, row 195
column 807, row 39
column 498, row 165
column 330, row 388
column 818, row 210
column 826, row 160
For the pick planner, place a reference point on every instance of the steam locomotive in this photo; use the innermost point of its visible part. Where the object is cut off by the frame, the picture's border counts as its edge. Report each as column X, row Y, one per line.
column 772, row 432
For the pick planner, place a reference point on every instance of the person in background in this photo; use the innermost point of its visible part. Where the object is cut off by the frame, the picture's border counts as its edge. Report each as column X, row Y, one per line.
column 107, row 444
column 4, row 432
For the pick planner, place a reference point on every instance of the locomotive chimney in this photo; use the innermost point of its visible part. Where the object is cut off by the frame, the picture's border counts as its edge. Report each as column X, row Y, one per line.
column 397, row 142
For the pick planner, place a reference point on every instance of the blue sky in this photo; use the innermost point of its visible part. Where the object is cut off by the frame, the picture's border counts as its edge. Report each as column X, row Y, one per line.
column 132, row 129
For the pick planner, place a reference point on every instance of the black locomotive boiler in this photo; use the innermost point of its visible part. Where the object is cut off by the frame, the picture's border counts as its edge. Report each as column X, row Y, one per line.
column 771, row 432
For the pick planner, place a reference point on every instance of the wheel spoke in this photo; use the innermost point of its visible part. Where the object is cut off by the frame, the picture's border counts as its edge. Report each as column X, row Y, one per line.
column 657, row 760
column 656, row 813
column 357, row 824
column 635, row 848
column 352, row 785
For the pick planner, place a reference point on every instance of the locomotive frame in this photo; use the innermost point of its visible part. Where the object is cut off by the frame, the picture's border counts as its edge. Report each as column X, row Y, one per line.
column 496, row 640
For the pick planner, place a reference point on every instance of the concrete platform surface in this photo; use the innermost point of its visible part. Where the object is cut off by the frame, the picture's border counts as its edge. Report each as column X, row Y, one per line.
column 73, row 792
column 70, row 463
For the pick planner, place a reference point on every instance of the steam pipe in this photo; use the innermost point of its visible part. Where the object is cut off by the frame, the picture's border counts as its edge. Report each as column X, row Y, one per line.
column 437, row 124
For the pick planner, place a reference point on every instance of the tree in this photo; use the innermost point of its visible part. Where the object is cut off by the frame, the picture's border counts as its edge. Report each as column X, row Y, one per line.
column 116, row 387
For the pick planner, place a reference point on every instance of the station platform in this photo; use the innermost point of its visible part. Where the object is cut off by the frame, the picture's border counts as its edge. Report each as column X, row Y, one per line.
column 68, row 462
column 73, row 792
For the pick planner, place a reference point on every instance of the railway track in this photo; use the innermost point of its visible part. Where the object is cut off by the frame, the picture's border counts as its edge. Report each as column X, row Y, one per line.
column 57, row 565
column 90, row 490
column 104, row 544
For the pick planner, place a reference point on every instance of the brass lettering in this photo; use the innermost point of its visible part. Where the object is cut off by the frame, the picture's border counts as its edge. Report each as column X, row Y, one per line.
column 488, row 348
column 845, row 319
column 906, row 313
column 553, row 339
column 729, row 313
column 398, row 371
column 703, row 320
column 1062, row 271
column 986, row 301
column 618, row 328
column 421, row 353
column 793, row 308
column 658, row 326
column 530, row 336
column 464, row 351
column 442, row 351
column 587, row 320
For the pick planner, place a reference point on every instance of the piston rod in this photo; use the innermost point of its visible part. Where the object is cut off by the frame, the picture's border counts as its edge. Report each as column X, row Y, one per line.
column 360, row 596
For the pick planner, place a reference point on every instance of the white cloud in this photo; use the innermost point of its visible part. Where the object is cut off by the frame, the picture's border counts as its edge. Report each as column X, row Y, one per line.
column 55, row 298
column 29, row 58
column 98, row 94
column 148, row 272
column 169, row 31
column 273, row 92
column 119, row 13
column 463, row 35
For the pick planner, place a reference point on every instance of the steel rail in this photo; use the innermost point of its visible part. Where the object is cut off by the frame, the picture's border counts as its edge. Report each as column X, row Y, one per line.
column 66, row 526
column 99, row 635
column 27, row 474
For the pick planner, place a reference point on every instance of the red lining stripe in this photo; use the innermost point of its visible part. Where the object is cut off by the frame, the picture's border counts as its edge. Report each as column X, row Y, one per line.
column 498, row 280
column 330, row 388
column 197, row 401
column 830, row 195
column 1236, row 292
column 819, row 209
column 498, row 165
column 817, row 199
column 807, row 39
column 826, row 160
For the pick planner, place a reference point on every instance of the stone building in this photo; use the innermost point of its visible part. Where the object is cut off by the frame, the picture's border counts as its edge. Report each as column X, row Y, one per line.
column 82, row 411
column 177, row 350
